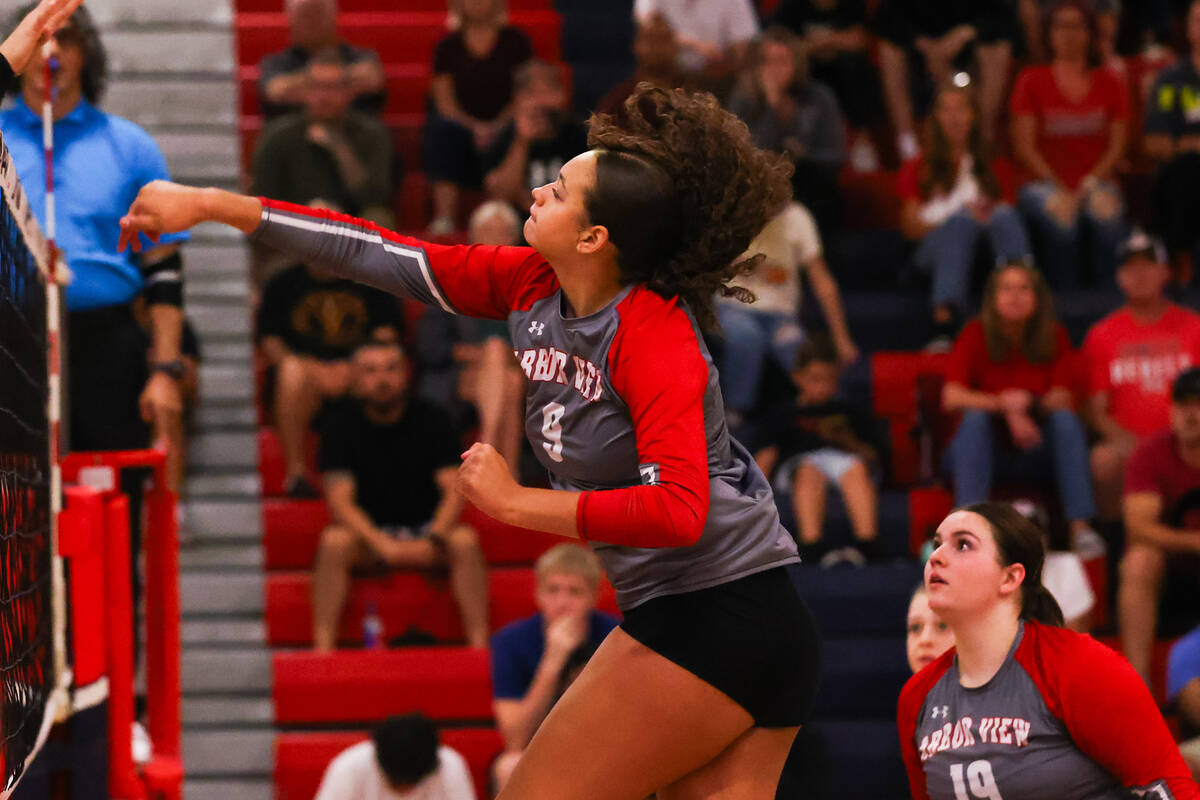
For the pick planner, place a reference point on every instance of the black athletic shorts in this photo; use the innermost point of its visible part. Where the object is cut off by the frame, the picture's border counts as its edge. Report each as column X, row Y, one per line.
column 753, row 639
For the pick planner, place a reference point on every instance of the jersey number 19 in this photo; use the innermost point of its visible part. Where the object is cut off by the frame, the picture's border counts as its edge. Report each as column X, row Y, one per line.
column 979, row 778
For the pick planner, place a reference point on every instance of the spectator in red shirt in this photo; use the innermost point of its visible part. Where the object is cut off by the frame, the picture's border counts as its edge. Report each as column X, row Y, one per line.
column 1070, row 121
column 1131, row 356
column 952, row 194
column 1161, row 567
column 1011, row 376
column 471, row 97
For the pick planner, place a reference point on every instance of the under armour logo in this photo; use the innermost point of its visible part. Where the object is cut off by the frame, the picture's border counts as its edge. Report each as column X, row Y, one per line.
column 941, row 711
column 536, row 328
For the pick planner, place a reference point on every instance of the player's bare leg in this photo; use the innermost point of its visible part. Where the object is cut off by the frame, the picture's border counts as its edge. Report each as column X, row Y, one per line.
column 1142, row 570
column 632, row 722
column 468, row 581
column 748, row 769
column 808, row 500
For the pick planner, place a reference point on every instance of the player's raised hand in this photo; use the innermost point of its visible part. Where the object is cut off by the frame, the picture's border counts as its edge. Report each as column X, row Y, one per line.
column 160, row 207
column 38, row 25
column 485, row 480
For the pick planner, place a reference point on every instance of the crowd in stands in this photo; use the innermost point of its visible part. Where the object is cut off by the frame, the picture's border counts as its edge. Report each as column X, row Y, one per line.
column 1045, row 146
column 1041, row 148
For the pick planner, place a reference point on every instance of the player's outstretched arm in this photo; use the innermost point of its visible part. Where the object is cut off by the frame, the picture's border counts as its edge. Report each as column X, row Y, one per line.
column 475, row 281
column 38, row 25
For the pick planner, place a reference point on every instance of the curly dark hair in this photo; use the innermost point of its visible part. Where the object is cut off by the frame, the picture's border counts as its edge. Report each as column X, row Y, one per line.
column 94, row 79
column 683, row 191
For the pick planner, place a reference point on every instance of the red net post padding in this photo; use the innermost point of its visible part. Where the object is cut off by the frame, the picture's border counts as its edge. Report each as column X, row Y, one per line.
column 162, row 777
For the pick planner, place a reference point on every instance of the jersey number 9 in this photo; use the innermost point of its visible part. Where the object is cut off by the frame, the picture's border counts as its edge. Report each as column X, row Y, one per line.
column 979, row 778
column 552, row 415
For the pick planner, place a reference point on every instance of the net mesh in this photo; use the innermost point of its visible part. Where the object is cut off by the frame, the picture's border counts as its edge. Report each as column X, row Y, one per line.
column 26, row 590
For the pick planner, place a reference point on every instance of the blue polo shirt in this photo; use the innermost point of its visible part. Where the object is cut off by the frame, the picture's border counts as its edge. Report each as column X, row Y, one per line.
column 100, row 163
column 517, row 650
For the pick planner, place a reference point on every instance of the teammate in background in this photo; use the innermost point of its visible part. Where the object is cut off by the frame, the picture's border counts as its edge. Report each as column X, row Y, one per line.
column 702, row 688
column 928, row 635
column 530, row 657
column 401, row 759
column 37, row 26
column 1022, row 707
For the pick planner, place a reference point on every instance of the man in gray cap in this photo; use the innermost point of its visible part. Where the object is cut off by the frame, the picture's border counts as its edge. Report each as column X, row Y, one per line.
column 1162, row 521
column 1131, row 357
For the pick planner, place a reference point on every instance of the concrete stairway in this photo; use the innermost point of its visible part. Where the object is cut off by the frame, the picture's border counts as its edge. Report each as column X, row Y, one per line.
column 173, row 73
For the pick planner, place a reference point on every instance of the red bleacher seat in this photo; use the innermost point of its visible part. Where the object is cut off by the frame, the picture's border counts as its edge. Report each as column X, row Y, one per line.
column 270, row 461
column 894, row 381
column 927, row 507
column 444, row 683
column 291, row 530
column 407, row 85
column 870, row 199
column 404, row 599
column 411, row 34
column 301, row 758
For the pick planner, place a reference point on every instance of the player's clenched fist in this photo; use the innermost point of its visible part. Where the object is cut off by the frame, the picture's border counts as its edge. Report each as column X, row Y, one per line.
column 161, row 207
column 484, row 479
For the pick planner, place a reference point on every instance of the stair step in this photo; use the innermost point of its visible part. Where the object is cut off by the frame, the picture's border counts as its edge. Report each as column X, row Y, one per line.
column 214, row 592
column 206, row 260
column 228, row 752
column 195, row 558
column 236, row 484
column 226, row 383
column 117, row 12
column 233, row 711
column 227, row 352
column 214, row 416
column 217, row 288
column 225, row 670
column 199, row 156
column 157, row 101
column 196, row 51
column 217, row 518
column 223, row 632
column 228, row 789
column 220, row 319
column 224, row 450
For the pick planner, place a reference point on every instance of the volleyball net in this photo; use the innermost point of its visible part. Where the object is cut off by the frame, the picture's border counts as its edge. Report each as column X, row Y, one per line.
column 33, row 673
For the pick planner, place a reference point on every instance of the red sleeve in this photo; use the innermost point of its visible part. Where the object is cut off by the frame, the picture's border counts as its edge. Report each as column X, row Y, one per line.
column 968, row 351
column 1023, row 100
column 908, row 181
column 912, row 698
column 1107, row 710
column 657, row 368
column 1141, row 471
column 1096, row 360
column 474, row 280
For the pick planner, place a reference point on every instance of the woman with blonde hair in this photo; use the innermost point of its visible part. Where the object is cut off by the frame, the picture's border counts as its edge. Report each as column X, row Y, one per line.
column 1012, row 377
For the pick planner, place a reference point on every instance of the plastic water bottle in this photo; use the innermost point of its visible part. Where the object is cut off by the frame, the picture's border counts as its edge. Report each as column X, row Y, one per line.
column 372, row 627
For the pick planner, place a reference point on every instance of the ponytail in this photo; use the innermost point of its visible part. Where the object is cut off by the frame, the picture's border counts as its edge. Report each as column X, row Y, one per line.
column 1039, row 605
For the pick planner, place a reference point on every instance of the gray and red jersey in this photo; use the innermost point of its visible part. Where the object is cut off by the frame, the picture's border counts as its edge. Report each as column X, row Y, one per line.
column 1065, row 718
column 622, row 405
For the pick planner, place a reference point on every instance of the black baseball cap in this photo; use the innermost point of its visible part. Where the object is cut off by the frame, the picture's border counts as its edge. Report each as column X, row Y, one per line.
column 1186, row 386
column 1140, row 243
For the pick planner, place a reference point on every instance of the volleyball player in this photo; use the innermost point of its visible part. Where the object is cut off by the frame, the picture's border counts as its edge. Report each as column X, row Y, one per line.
column 33, row 30
column 702, row 688
column 1022, row 707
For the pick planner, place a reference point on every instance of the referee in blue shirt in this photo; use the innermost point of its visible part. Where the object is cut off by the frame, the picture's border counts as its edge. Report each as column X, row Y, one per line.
column 118, row 382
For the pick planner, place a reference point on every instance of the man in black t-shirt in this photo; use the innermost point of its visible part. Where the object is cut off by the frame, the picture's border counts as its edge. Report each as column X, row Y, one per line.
column 308, row 325
column 390, row 462
column 531, row 149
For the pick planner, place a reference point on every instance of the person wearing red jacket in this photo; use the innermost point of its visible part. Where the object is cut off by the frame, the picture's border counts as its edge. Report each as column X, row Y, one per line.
column 1022, row 707
column 703, row 687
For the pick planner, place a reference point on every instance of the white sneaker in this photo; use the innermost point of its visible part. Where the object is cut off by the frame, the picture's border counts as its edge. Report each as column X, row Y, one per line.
column 843, row 555
column 908, row 146
column 142, row 748
column 442, row 226
column 1088, row 544
column 863, row 157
